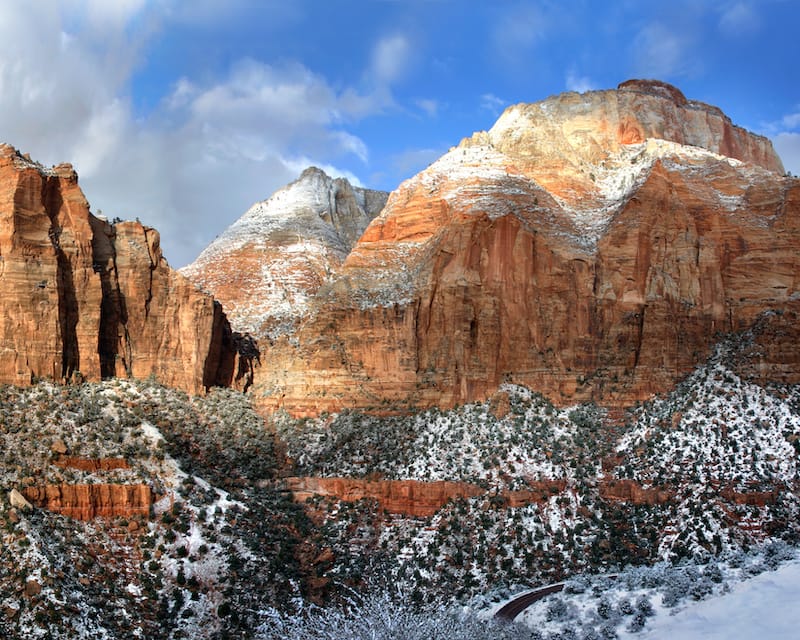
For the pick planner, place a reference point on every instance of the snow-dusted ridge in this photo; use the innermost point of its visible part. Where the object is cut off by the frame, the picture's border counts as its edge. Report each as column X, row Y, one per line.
column 273, row 260
column 300, row 215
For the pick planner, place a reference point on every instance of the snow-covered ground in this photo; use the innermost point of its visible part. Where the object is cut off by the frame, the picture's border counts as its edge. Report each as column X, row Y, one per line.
column 763, row 607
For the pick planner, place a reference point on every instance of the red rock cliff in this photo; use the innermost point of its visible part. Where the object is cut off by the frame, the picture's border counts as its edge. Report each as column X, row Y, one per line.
column 590, row 246
column 87, row 501
column 82, row 295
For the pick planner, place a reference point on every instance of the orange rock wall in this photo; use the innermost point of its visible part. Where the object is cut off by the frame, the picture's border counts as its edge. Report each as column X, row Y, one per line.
column 82, row 295
column 409, row 497
column 504, row 299
column 88, row 501
column 413, row 497
column 630, row 491
column 91, row 465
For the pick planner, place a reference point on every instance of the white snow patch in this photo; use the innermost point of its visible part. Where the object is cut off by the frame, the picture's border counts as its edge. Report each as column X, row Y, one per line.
column 763, row 607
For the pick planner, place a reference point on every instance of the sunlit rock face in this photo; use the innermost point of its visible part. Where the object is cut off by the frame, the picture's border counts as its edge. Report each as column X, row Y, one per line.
column 266, row 268
column 83, row 296
column 89, row 501
column 590, row 246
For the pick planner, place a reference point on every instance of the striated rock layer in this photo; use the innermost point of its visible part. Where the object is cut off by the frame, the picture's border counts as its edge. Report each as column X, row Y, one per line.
column 81, row 295
column 590, row 246
column 88, row 501
column 413, row 498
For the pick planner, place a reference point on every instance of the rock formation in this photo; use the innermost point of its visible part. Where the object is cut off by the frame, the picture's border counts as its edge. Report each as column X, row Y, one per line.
column 590, row 246
column 88, row 501
column 630, row 491
column 413, row 497
column 91, row 465
column 408, row 497
column 81, row 295
column 270, row 263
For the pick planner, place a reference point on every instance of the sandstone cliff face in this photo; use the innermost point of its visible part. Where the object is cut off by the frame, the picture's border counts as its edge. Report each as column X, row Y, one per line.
column 88, row 501
column 597, row 266
column 413, row 497
column 590, row 246
column 408, row 497
column 92, row 465
column 267, row 267
column 83, row 295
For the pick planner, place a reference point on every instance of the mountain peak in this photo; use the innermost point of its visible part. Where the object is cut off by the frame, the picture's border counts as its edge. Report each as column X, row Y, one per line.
column 573, row 130
column 654, row 88
column 312, row 172
column 294, row 240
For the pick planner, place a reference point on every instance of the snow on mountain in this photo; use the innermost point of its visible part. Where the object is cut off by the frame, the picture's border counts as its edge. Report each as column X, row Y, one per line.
column 267, row 265
column 743, row 596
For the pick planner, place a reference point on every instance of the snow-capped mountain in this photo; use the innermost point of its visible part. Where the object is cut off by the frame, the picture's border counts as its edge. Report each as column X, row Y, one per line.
column 267, row 266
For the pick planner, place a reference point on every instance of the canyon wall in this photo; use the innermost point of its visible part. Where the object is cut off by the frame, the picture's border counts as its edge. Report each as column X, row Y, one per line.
column 84, row 296
column 592, row 247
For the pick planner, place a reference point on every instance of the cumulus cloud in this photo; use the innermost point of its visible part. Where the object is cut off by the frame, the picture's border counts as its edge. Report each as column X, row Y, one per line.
column 209, row 149
column 660, row 52
column 579, row 83
column 220, row 147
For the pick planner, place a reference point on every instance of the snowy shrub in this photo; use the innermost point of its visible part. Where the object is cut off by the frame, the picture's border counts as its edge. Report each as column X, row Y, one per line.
column 608, row 631
column 625, row 607
column 701, row 589
column 637, row 622
column 556, row 609
column 713, row 573
column 643, row 606
column 380, row 617
column 604, row 608
column 777, row 552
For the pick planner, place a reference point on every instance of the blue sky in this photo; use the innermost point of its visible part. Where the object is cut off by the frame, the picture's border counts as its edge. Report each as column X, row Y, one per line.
column 184, row 113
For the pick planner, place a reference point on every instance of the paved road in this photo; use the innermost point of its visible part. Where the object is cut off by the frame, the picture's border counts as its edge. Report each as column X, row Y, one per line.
column 512, row 609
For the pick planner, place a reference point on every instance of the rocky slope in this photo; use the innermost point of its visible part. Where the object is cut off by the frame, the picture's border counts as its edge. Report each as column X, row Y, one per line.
column 269, row 264
column 590, row 246
column 190, row 522
column 83, row 296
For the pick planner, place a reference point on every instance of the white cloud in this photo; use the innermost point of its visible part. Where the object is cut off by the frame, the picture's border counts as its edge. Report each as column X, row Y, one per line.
column 739, row 19
column 390, row 59
column 785, row 135
column 492, row 104
column 208, row 150
column 791, row 121
column 518, row 30
column 59, row 94
column 223, row 146
column 298, row 165
column 111, row 15
column 578, row 83
column 430, row 107
column 787, row 144
column 660, row 52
